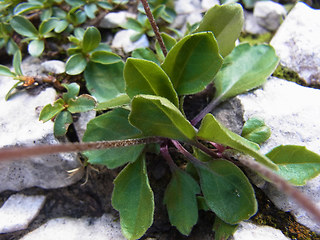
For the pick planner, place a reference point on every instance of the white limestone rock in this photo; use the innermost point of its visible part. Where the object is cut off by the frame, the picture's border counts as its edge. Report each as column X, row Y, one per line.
column 250, row 231
column 207, row 4
column 20, row 126
column 18, row 212
column 81, row 124
column 251, row 24
column 269, row 14
column 115, row 19
column 54, row 66
column 78, row 229
column 122, row 41
column 297, row 42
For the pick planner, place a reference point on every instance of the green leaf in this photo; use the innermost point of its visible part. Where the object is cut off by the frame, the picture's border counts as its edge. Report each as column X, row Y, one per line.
column 105, row 82
column 157, row 116
column 181, row 201
column 61, row 26
column 47, row 26
column 24, row 27
column 255, row 130
column 10, row 93
column 227, row 191
column 76, row 64
column 223, row 230
column 133, row 24
column 104, row 5
column 146, row 54
column 193, row 62
column 5, row 71
column 83, row 103
column 62, row 123
column 212, row 130
column 49, row 111
column 114, row 102
column 249, row 4
column 133, row 197
column 36, row 47
column 25, row 7
column 169, row 42
column 225, row 22
column 112, row 125
column 12, row 47
column 17, row 62
column 90, row 10
column 296, row 164
column 105, row 57
column 145, row 77
column 247, row 67
column 91, row 39
column 72, row 91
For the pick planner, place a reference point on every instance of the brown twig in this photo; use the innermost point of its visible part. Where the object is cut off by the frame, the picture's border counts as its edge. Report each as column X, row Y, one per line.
column 154, row 26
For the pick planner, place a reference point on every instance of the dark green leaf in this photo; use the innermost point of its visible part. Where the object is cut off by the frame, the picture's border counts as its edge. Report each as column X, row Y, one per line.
column 223, row 230
column 227, row 191
column 76, row 64
column 36, row 47
column 255, row 130
column 47, row 25
column 193, row 62
column 296, row 163
column 133, row 198
column 5, row 71
column 169, row 42
column 24, row 27
column 61, row 26
column 114, row 102
column 112, row 125
column 181, row 201
column 247, row 67
column 105, row 82
column 157, row 116
column 62, row 123
column 212, row 130
column 83, row 103
column 72, row 91
column 49, row 111
column 146, row 54
column 105, row 57
column 145, row 77
column 226, row 22
column 91, row 39
column 17, row 63
column 90, row 10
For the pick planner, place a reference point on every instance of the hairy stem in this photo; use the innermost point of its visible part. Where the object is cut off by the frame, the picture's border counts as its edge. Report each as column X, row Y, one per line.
column 24, row 152
column 281, row 184
column 154, row 26
column 166, row 155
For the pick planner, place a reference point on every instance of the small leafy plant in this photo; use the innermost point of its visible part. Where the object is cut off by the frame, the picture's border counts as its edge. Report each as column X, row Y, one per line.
column 144, row 102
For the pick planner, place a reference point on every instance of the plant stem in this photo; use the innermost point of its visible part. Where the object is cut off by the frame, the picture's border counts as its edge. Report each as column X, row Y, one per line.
column 181, row 149
column 166, row 155
column 281, row 184
column 206, row 110
column 205, row 149
column 154, row 26
column 24, row 152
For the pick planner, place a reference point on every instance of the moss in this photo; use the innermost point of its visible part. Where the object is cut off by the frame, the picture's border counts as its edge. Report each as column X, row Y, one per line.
column 255, row 38
column 286, row 73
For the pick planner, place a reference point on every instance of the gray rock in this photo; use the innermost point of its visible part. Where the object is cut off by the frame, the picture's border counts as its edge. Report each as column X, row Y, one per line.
column 18, row 211
column 251, row 24
column 20, row 126
column 296, row 42
column 269, row 14
column 80, row 229
column 122, row 41
column 54, row 66
column 81, row 124
column 291, row 112
column 115, row 19
column 250, row 231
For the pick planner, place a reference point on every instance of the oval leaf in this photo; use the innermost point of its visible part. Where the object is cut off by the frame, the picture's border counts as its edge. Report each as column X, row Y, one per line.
column 105, row 57
column 76, row 64
column 146, row 54
column 227, row 191
column 90, row 10
column 114, row 102
column 25, row 7
column 17, row 62
column 157, row 116
column 72, row 91
column 212, row 130
column 5, row 71
column 105, row 82
column 247, row 67
column 49, row 111
column 255, row 130
column 24, row 27
column 48, row 25
column 296, row 164
column 91, row 39
column 145, row 77
column 36, row 47
column 62, row 123
column 83, row 103
column 112, row 125
column 132, row 196
column 193, row 62
column 225, row 22
column 181, row 201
